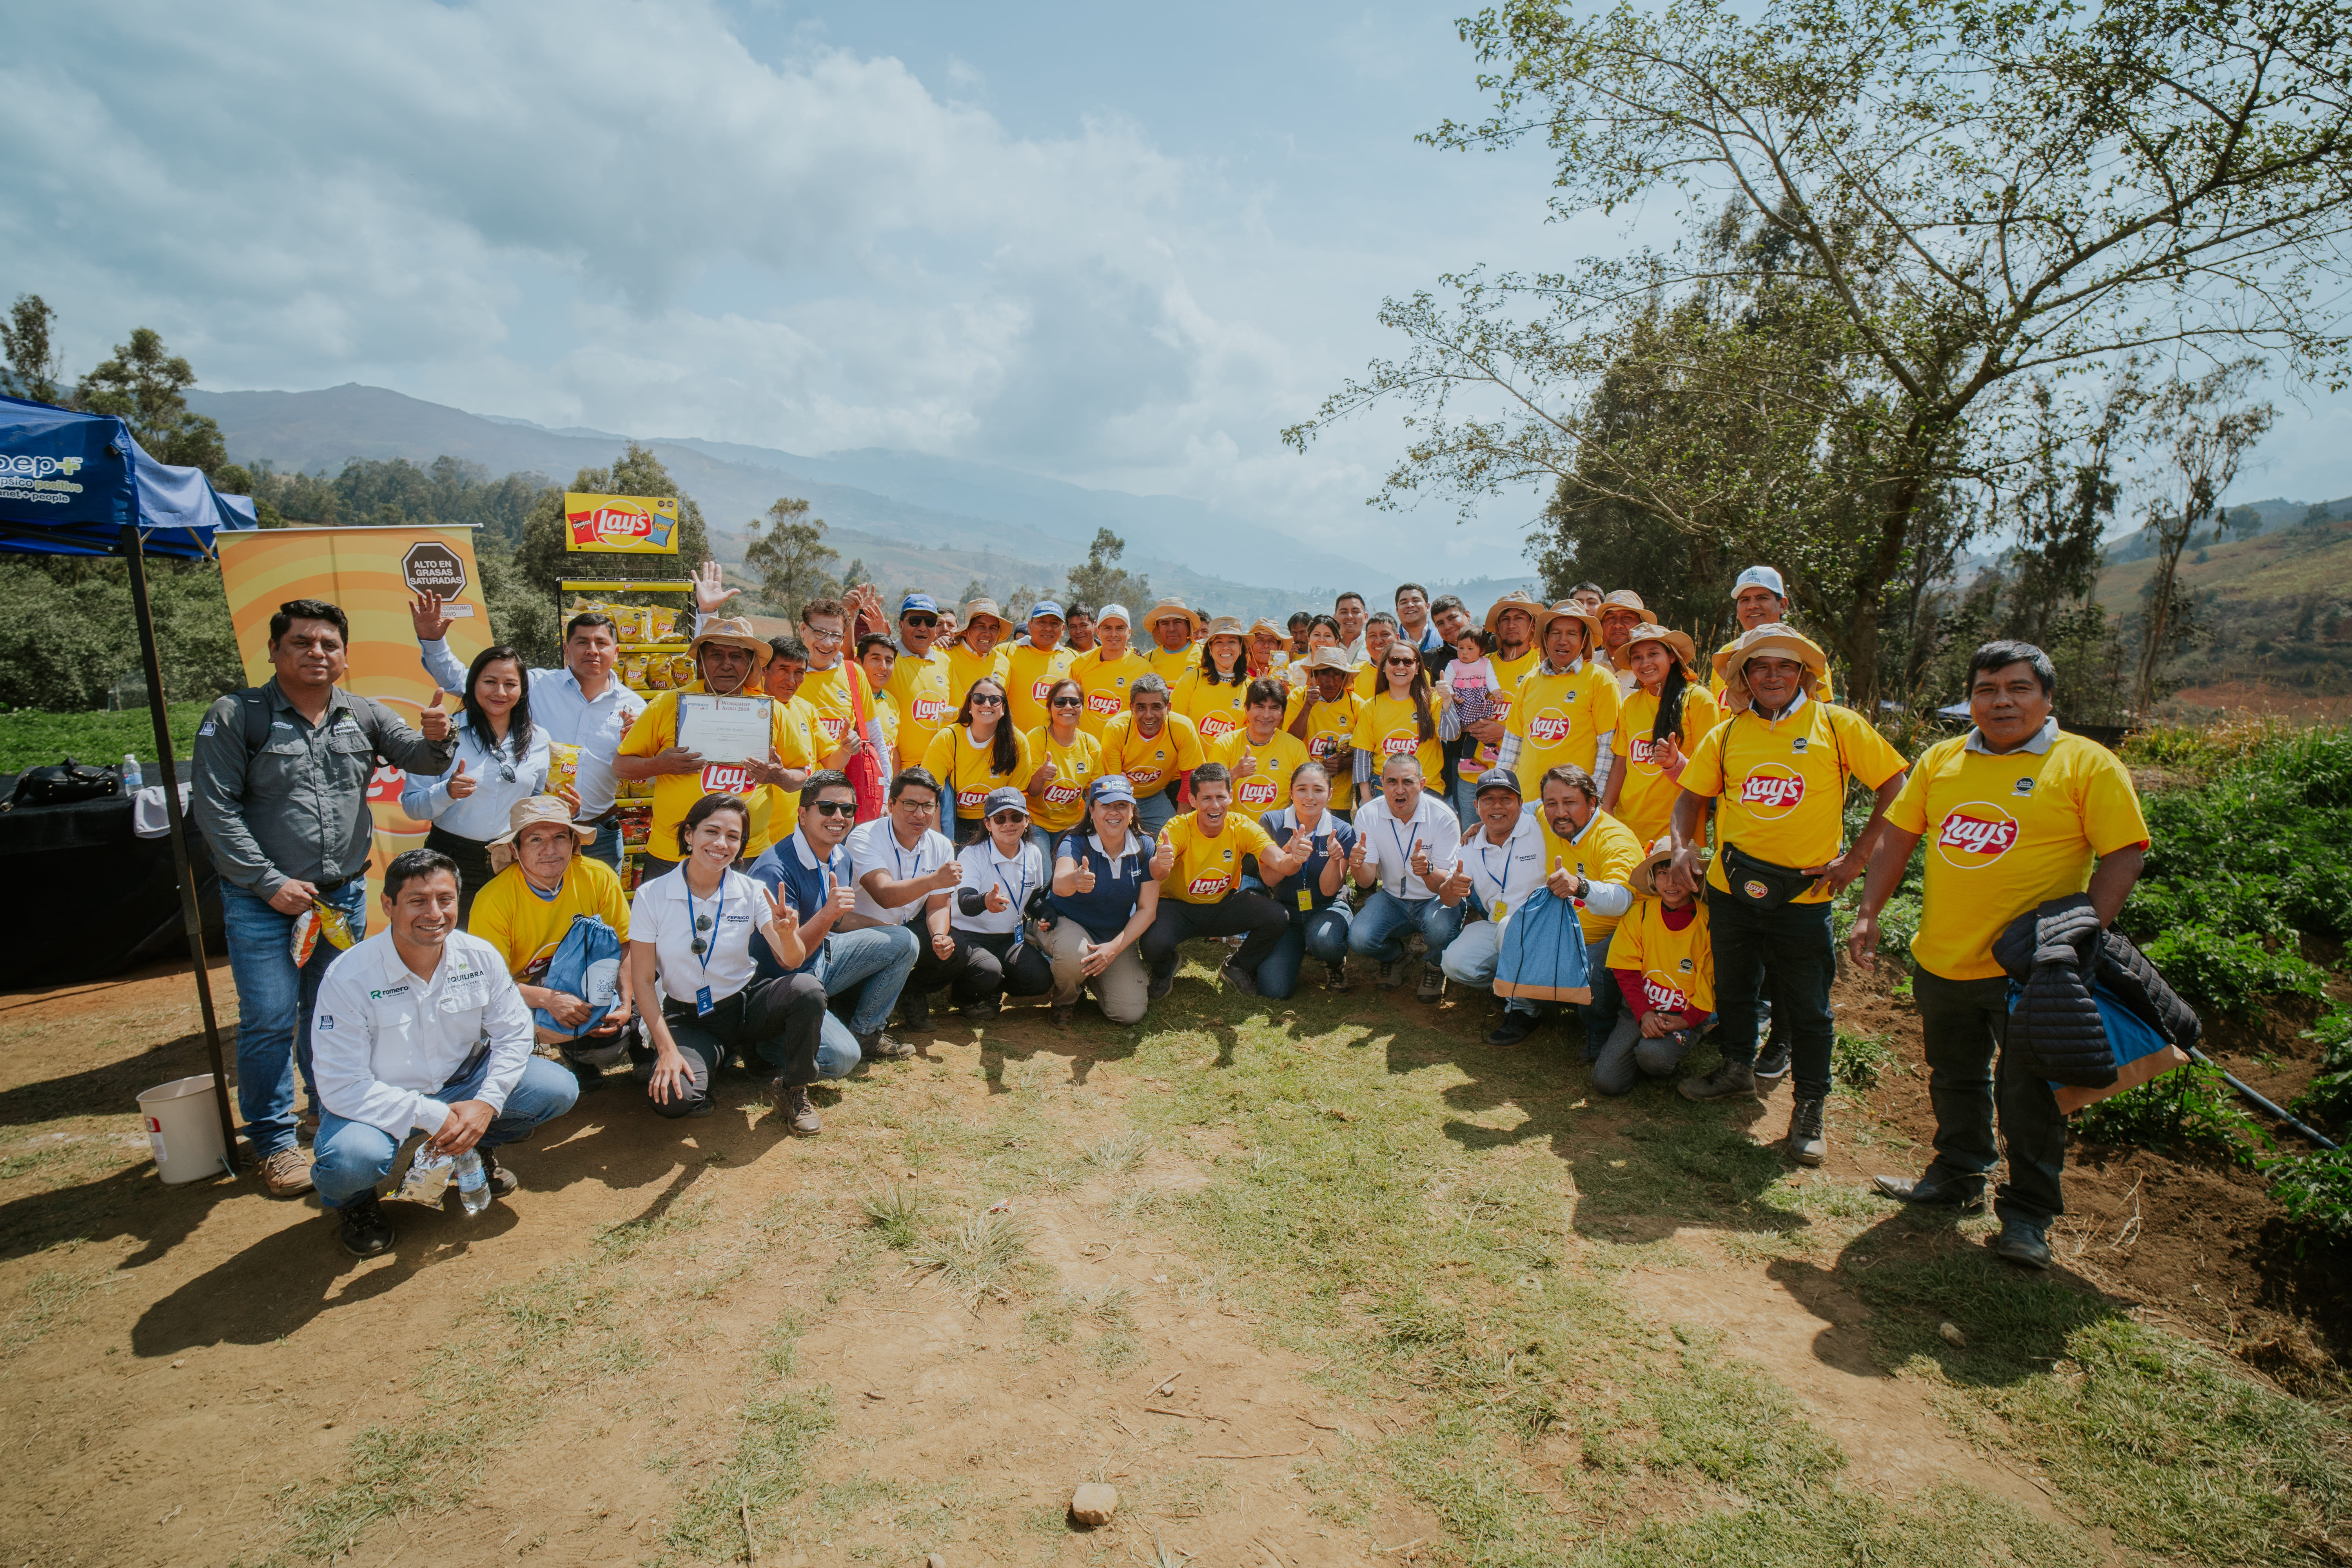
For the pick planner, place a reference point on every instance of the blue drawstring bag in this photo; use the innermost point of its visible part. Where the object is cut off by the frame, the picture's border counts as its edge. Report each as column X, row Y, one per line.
column 1542, row 956
column 587, row 964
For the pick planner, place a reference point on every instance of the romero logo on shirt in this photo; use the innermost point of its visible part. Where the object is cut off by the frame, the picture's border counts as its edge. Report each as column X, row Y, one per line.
column 1205, row 887
column 1772, row 790
column 726, row 778
column 1975, row 835
column 1549, row 728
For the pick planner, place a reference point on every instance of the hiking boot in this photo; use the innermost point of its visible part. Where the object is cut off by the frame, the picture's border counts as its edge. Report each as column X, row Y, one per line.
column 1727, row 1079
column 1516, row 1026
column 980, row 1012
column 1161, row 985
column 1388, row 979
column 1064, row 1013
column 800, row 1113
column 504, row 1183
column 288, row 1174
column 879, row 1047
column 589, row 1077
column 365, row 1233
column 1232, row 975
column 1963, row 1192
column 914, row 1014
column 1335, row 978
column 1809, row 1139
column 1432, row 983
column 2022, row 1241
column 1772, row 1066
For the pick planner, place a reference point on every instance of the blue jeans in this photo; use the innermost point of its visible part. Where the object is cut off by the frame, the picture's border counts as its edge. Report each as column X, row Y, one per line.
column 274, row 1001
column 1321, row 935
column 352, row 1156
column 1600, row 1015
column 1471, row 957
column 1156, row 810
column 1464, row 795
column 878, row 957
column 1378, row 932
column 606, row 844
column 1792, row 949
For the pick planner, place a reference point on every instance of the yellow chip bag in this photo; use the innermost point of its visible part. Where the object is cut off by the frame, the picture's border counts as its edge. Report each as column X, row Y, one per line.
column 563, row 767
column 633, row 672
column 681, row 670
column 658, row 677
column 661, row 623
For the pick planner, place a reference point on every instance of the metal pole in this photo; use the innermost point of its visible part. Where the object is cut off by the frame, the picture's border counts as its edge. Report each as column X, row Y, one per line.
column 190, row 916
column 2258, row 1102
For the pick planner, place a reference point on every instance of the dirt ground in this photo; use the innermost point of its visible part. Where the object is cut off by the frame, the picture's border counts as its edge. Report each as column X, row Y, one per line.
column 189, row 1370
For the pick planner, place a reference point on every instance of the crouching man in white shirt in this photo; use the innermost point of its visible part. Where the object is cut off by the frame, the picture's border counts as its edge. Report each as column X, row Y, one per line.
column 420, row 1029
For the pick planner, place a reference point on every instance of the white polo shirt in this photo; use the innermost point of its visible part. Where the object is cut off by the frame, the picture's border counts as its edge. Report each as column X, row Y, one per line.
column 985, row 868
column 384, row 1042
column 664, row 914
column 874, row 846
column 1504, row 876
column 1393, row 838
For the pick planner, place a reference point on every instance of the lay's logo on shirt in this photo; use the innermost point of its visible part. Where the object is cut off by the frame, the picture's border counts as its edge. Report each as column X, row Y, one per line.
column 931, row 710
column 1644, row 750
column 1060, row 794
column 726, row 778
column 1549, row 728
column 1206, row 887
column 1398, row 743
column 1975, row 835
column 971, row 799
column 1665, row 997
column 1217, row 724
column 1258, row 789
column 1106, row 703
column 1042, row 685
column 1772, row 790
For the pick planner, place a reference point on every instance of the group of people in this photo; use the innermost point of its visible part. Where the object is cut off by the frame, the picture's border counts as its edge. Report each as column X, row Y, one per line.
column 1558, row 803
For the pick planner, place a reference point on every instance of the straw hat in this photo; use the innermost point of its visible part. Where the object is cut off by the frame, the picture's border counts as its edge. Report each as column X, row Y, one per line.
column 1515, row 600
column 537, row 809
column 1227, row 626
column 733, row 631
column 1267, row 627
column 1327, row 658
column 1624, row 599
column 1777, row 640
column 1168, row 610
column 1643, row 878
column 1685, row 650
column 1569, row 610
column 979, row 607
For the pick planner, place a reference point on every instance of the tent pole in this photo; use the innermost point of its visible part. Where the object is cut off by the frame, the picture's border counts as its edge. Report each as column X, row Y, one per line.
column 190, row 916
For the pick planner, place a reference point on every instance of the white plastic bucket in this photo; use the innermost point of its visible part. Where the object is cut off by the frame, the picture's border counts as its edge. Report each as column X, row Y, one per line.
column 183, row 1129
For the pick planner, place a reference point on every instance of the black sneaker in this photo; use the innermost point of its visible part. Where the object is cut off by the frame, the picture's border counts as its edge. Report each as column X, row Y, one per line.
column 366, row 1232
column 1161, row 985
column 503, row 1181
column 1809, row 1139
column 1239, row 979
column 1963, row 1192
column 914, row 1014
column 879, row 1047
column 979, row 1010
column 1516, row 1026
column 1772, row 1064
column 1335, row 978
column 1727, row 1079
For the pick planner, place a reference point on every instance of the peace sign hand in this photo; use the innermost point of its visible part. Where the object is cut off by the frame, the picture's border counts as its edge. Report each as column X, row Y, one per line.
column 783, row 922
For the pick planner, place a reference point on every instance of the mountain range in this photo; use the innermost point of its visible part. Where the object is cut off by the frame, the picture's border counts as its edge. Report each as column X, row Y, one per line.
column 912, row 519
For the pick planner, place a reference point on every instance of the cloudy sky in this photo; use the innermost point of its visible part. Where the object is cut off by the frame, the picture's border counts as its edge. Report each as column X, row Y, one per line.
column 1119, row 246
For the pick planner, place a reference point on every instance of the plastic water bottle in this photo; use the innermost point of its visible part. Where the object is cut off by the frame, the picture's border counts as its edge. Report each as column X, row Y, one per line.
column 473, row 1186
column 132, row 781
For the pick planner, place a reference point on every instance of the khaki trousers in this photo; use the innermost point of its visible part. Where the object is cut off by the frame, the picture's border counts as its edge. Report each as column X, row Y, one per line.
column 1120, row 988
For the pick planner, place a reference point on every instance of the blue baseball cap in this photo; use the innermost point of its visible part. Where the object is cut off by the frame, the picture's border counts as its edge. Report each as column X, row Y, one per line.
column 1004, row 797
column 922, row 602
column 1046, row 607
column 1111, row 787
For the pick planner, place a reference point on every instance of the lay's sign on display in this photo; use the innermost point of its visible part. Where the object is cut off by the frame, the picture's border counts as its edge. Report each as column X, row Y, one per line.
column 621, row 525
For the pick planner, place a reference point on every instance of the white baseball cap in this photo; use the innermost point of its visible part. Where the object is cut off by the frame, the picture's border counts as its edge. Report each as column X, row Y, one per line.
column 1760, row 577
column 1114, row 612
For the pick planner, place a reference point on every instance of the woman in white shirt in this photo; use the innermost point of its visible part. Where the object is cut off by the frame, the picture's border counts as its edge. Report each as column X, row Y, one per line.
column 1002, row 874
column 690, row 933
column 501, row 760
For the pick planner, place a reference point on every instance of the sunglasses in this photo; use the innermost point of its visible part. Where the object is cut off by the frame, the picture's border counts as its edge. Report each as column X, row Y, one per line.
column 1006, row 818
column 834, row 808
column 983, row 700
column 919, row 620
column 699, row 947
column 1406, row 662
column 1069, row 702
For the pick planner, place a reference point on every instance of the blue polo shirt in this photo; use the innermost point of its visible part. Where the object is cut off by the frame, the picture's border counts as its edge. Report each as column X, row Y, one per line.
column 1104, row 913
column 790, row 870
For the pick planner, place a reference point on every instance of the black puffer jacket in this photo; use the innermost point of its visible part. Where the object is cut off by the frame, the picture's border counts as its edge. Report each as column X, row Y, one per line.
column 2055, row 1028
column 2133, row 981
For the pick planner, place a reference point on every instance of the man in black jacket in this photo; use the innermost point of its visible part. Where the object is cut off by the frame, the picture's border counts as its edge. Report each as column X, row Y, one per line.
column 2015, row 812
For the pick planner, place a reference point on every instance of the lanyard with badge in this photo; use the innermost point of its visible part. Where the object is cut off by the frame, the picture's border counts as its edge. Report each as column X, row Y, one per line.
column 703, row 1004
column 1404, row 849
column 1496, row 908
column 1019, row 893
column 1308, row 874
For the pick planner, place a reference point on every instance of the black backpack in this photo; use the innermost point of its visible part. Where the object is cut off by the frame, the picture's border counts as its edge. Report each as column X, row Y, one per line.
column 64, row 784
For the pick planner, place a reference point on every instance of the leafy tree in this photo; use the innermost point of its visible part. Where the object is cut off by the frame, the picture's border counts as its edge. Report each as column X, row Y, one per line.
column 2207, row 426
column 33, row 366
column 146, row 386
column 793, row 560
column 1970, row 199
column 1102, row 581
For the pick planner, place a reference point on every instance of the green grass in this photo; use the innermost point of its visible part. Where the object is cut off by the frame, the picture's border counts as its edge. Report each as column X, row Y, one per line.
column 29, row 738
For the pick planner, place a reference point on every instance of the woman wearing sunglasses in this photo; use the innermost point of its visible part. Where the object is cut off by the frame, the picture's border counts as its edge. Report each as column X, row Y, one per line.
column 1003, row 874
column 1067, row 758
column 980, row 752
column 690, row 935
column 1400, row 716
column 501, row 760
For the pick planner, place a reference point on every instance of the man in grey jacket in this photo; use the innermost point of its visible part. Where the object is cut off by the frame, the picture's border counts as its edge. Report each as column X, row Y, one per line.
column 280, row 794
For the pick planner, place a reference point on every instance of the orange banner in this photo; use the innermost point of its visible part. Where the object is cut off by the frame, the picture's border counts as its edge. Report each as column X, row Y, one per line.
column 369, row 572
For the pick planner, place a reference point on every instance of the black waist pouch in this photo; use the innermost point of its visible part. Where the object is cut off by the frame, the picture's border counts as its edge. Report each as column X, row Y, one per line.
column 1760, row 884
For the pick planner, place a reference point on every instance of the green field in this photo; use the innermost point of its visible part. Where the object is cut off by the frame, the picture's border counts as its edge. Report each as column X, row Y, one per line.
column 29, row 738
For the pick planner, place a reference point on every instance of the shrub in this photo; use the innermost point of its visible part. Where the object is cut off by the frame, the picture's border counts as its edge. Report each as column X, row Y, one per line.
column 2188, row 1107
column 2327, row 1098
column 2315, row 1191
column 2231, row 974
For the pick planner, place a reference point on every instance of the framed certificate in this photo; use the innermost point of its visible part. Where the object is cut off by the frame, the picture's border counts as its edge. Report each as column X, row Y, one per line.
column 726, row 728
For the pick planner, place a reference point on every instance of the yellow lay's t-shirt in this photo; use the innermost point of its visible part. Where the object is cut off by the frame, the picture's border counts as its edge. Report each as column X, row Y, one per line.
column 2005, row 834
column 1645, row 801
column 1107, row 683
column 655, row 732
column 1167, row 664
column 1388, row 726
column 526, row 928
column 1676, row 967
column 1559, row 720
column 1331, row 739
column 1782, row 785
column 968, row 772
column 1061, row 805
column 1029, row 675
column 1606, row 851
column 1215, row 708
column 1206, row 867
column 1151, row 762
column 826, row 692
column 964, row 667
column 1267, row 787
column 918, row 688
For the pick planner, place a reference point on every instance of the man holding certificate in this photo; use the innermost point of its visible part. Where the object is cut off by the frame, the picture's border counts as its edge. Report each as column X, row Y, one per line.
column 721, row 733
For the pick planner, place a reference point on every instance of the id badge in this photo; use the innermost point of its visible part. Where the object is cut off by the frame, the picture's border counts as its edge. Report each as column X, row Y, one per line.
column 1306, row 900
column 703, row 1004
column 1497, row 909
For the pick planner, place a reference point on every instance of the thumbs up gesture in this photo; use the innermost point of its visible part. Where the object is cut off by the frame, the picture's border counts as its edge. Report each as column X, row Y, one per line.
column 1246, row 766
column 1357, row 857
column 1164, row 859
column 1419, row 862
column 1668, row 756
column 460, row 784
column 997, row 900
column 1302, row 844
column 1455, row 883
column 1086, row 877
column 949, row 873
column 1563, row 882
column 433, row 723
column 1045, row 775
column 844, row 900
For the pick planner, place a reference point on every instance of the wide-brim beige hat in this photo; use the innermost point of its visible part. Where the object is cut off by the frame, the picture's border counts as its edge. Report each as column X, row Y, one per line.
column 1264, row 627
column 1569, row 610
column 977, row 609
column 1168, row 610
column 1227, row 626
column 1779, row 640
column 1685, row 650
column 538, row 809
column 1624, row 599
column 1643, row 878
column 1328, row 659
column 733, row 631
column 1515, row 600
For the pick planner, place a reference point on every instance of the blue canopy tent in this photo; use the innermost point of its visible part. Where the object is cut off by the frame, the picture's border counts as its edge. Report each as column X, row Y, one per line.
column 80, row 484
